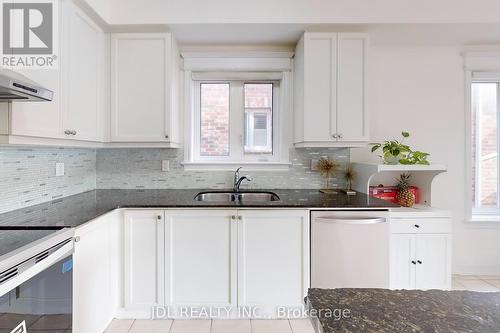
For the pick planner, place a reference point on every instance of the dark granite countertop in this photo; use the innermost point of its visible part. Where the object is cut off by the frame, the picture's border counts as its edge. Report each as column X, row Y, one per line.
column 382, row 310
column 77, row 209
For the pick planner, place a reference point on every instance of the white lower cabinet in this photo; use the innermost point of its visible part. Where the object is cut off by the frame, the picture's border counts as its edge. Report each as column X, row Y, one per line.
column 216, row 258
column 201, row 267
column 96, row 273
column 421, row 260
column 273, row 259
column 144, row 259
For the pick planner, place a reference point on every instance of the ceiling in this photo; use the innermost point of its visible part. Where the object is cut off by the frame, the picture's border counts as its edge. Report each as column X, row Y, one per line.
column 287, row 35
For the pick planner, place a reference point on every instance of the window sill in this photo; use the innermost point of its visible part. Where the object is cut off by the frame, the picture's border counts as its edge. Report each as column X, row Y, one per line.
column 484, row 219
column 231, row 166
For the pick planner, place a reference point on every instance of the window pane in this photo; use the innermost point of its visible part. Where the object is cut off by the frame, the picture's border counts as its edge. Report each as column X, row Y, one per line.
column 485, row 144
column 214, row 135
column 258, row 118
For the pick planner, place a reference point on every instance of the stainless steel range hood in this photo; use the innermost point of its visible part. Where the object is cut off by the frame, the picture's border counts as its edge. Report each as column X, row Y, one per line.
column 16, row 87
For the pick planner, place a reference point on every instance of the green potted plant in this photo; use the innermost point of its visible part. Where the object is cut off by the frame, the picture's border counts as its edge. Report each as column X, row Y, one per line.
column 395, row 152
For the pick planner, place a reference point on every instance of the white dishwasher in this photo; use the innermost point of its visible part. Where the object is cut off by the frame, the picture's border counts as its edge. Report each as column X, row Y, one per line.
column 350, row 249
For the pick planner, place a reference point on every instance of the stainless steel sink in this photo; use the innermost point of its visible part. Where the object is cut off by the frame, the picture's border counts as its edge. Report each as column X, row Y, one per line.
column 245, row 197
column 216, row 197
column 258, row 197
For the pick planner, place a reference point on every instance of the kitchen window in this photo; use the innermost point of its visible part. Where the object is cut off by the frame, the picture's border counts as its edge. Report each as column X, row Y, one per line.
column 234, row 120
column 484, row 146
column 238, row 110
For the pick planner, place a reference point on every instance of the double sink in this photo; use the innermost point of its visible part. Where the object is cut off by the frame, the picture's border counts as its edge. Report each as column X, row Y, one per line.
column 242, row 197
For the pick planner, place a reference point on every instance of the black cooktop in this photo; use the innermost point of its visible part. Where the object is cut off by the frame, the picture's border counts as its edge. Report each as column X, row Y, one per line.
column 11, row 240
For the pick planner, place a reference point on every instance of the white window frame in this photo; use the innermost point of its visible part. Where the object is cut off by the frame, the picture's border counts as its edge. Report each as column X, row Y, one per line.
column 270, row 123
column 479, row 67
column 263, row 67
column 236, row 124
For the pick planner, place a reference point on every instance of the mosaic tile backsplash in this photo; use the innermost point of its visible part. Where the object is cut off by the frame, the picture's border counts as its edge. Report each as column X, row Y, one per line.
column 27, row 176
column 141, row 168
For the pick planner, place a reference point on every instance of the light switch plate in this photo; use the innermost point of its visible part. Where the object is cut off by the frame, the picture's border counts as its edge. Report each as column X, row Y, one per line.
column 165, row 165
column 314, row 165
column 59, row 169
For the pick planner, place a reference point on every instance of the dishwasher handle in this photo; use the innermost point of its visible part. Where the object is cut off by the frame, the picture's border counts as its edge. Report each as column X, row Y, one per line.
column 351, row 220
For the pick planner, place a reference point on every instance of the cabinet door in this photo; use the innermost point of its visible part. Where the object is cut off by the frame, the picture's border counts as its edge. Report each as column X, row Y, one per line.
column 201, row 258
column 273, row 258
column 320, row 86
column 40, row 119
column 139, row 99
column 144, row 259
column 84, row 76
column 352, row 124
column 95, row 291
column 433, row 255
column 403, row 262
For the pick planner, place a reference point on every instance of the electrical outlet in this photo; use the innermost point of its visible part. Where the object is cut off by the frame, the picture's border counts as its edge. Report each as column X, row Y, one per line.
column 314, row 165
column 59, row 169
column 165, row 165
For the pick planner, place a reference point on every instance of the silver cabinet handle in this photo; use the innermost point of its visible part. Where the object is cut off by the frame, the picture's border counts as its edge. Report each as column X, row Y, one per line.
column 233, row 217
column 77, row 239
column 240, row 218
column 67, row 132
column 351, row 220
column 73, row 132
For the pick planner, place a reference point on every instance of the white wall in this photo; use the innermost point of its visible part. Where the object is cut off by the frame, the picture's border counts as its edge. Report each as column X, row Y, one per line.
column 421, row 89
column 302, row 11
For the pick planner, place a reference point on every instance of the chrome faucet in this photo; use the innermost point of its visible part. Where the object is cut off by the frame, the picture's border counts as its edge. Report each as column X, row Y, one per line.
column 238, row 180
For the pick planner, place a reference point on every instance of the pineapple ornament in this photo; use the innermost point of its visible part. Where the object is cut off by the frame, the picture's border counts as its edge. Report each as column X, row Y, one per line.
column 405, row 197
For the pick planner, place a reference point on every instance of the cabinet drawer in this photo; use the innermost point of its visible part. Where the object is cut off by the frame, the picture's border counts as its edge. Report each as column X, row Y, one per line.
column 420, row 226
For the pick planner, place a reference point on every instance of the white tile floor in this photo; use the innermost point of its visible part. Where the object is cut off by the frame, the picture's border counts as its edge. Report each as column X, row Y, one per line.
column 459, row 282
column 476, row 282
column 211, row 326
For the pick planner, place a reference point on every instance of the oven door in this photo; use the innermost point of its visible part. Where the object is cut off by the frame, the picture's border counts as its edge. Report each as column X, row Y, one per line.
column 38, row 298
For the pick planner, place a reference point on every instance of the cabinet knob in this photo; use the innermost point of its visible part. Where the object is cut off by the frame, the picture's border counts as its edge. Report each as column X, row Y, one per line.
column 67, row 132
column 158, row 217
column 417, row 226
column 240, row 218
column 340, row 136
column 335, row 136
column 419, row 262
column 413, row 262
column 233, row 217
column 73, row 132
column 77, row 239
column 166, row 136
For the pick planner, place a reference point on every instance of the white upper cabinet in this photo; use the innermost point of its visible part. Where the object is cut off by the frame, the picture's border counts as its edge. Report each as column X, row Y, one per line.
column 351, row 110
column 329, row 90
column 78, row 108
column 144, row 88
column 40, row 119
column 84, row 68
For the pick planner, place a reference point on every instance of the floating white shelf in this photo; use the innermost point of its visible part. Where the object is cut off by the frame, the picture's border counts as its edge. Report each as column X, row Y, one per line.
column 377, row 167
column 372, row 174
